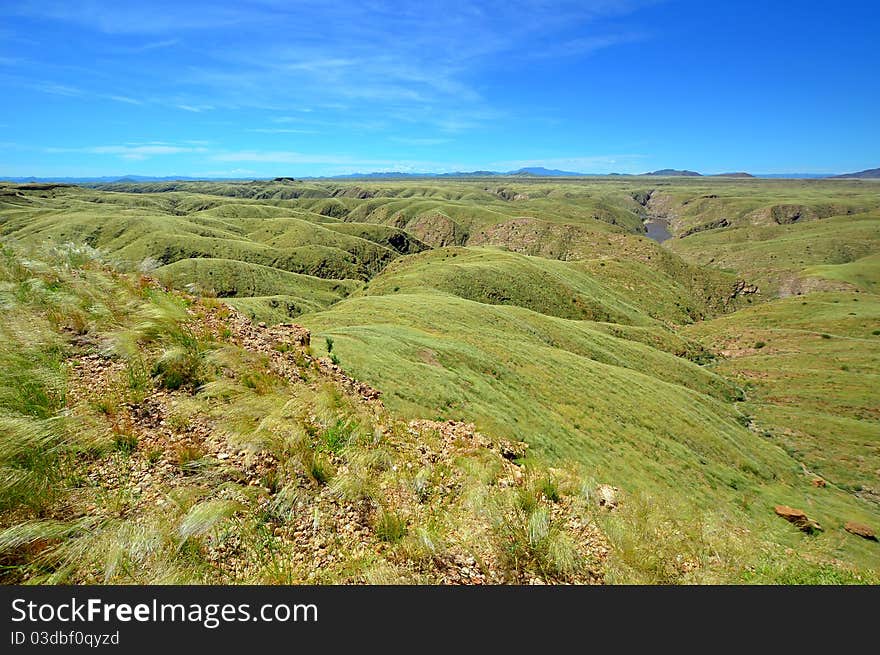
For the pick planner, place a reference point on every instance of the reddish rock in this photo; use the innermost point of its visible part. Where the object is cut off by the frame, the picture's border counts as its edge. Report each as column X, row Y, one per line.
column 798, row 518
column 819, row 482
column 860, row 530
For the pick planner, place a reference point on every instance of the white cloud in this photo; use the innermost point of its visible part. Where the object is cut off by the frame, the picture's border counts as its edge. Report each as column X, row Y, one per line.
column 587, row 45
column 57, row 89
column 339, row 163
column 196, row 109
column 67, row 91
column 129, row 151
column 142, row 150
column 156, row 17
column 289, row 157
column 419, row 141
column 156, row 45
column 279, row 130
column 125, row 99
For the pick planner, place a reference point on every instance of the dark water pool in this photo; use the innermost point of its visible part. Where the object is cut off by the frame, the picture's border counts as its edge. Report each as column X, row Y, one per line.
column 657, row 230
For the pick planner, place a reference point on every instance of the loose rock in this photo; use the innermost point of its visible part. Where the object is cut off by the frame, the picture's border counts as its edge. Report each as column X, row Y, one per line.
column 860, row 530
column 798, row 518
column 607, row 496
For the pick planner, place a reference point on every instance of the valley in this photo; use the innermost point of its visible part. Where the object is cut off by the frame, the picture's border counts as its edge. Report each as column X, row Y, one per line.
column 709, row 347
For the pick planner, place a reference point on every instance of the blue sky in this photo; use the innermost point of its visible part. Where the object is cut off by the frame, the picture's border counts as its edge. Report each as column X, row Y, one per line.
column 257, row 88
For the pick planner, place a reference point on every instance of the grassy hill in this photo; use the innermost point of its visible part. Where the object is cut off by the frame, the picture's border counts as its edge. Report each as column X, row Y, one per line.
column 248, row 283
column 770, row 231
column 863, row 273
column 690, row 375
column 631, row 290
column 811, row 366
column 150, row 437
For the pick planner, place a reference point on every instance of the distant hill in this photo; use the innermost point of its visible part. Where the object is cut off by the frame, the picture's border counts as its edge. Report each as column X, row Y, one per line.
column 544, row 172
column 388, row 175
column 530, row 171
column 536, row 171
column 107, row 179
column 869, row 174
column 792, row 176
column 671, row 172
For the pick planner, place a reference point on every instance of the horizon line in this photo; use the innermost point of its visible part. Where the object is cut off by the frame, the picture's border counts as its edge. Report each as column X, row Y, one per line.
column 522, row 172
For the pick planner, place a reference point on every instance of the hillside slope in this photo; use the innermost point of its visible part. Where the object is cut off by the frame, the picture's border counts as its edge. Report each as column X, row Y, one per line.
column 533, row 308
column 811, row 365
column 150, row 437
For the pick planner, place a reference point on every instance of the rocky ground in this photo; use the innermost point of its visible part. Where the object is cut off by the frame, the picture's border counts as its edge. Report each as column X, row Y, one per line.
column 322, row 531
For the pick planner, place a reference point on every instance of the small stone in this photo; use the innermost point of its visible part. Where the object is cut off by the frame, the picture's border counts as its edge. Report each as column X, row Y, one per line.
column 819, row 482
column 512, row 450
column 860, row 530
column 606, row 496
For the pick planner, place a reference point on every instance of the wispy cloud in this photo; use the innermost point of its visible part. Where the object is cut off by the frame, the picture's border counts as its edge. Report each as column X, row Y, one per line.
column 279, row 130
column 129, row 151
column 157, row 17
column 196, row 109
column 587, row 45
column 340, row 163
column 155, row 45
column 290, row 157
column 57, row 89
column 67, row 91
column 384, row 76
column 419, row 141
column 297, row 119
column 125, row 99
column 375, row 58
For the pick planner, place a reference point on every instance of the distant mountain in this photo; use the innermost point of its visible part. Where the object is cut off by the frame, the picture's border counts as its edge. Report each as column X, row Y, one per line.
column 393, row 175
column 540, row 171
column 536, row 171
column 529, row 171
column 869, row 174
column 792, row 176
column 107, row 179
column 671, row 172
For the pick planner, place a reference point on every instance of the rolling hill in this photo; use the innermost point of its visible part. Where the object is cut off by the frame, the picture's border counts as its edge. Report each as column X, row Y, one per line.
column 537, row 309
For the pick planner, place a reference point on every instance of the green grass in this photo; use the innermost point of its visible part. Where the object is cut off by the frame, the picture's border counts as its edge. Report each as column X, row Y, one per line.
column 37, row 301
column 536, row 309
column 816, row 396
column 646, row 424
column 602, row 290
column 234, row 279
column 863, row 273
column 778, row 256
